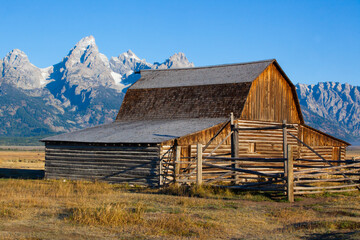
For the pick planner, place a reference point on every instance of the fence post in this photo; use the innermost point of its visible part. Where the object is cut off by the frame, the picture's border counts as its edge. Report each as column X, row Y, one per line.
column 290, row 174
column 285, row 147
column 199, row 164
column 161, row 172
column 284, row 139
column 234, row 147
column 177, row 164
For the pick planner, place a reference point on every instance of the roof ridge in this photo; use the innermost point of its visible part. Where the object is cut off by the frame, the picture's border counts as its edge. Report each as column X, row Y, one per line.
column 211, row 66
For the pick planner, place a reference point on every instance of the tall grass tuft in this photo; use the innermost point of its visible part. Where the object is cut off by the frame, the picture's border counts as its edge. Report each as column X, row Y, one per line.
column 111, row 214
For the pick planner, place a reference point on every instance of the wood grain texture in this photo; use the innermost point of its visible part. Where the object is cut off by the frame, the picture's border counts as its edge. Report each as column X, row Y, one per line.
column 116, row 164
column 271, row 98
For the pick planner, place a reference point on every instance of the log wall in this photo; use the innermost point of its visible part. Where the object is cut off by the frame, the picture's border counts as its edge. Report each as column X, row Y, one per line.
column 262, row 143
column 133, row 164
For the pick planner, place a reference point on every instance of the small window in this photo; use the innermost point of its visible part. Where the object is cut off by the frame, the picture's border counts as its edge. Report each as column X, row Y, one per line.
column 252, row 148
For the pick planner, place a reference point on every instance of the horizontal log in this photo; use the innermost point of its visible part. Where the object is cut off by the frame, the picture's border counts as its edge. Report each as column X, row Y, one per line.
column 325, row 180
column 104, row 156
column 140, row 181
column 100, row 161
column 330, row 191
column 326, row 187
column 263, row 189
column 102, row 172
column 347, row 172
column 328, row 168
column 147, row 166
column 122, row 177
column 321, row 161
column 243, row 170
column 101, row 148
column 309, row 166
column 250, row 159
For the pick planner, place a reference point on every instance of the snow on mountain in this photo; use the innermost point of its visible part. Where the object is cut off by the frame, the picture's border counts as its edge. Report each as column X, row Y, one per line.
column 85, row 67
column 178, row 60
column 18, row 71
column 82, row 90
column 335, row 102
column 126, row 63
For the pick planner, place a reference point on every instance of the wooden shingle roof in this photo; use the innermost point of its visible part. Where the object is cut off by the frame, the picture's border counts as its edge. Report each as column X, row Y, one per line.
column 219, row 74
column 203, row 92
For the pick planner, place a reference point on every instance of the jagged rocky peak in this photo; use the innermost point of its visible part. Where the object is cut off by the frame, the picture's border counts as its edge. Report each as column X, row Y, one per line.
column 18, row 71
column 86, row 52
column 178, row 60
column 85, row 67
column 127, row 62
column 16, row 57
column 334, row 101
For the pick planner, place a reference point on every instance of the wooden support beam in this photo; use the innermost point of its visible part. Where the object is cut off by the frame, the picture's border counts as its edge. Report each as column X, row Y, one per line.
column 199, row 164
column 234, row 146
column 290, row 174
column 284, row 139
column 176, row 163
column 161, row 174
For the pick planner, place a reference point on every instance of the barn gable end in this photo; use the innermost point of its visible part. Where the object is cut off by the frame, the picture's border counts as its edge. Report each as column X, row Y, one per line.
column 272, row 97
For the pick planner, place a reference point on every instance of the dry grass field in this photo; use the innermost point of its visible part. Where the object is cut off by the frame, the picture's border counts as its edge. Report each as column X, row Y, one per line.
column 49, row 209
column 22, row 159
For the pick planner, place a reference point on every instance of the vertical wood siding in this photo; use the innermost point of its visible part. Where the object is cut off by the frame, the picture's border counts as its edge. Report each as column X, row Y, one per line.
column 131, row 164
column 271, row 99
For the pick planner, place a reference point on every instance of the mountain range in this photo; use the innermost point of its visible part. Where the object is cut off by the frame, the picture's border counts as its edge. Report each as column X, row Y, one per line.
column 86, row 88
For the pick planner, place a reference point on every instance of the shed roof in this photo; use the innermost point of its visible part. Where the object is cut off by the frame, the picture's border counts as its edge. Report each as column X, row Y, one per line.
column 154, row 131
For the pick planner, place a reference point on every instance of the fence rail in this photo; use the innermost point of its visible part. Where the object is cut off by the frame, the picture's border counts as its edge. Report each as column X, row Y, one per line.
column 286, row 175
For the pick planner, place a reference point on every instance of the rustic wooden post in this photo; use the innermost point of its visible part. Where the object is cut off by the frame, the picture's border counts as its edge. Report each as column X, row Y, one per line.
column 285, row 146
column 161, row 176
column 290, row 174
column 234, row 145
column 284, row 139
column 177, row 163
column 199, row 164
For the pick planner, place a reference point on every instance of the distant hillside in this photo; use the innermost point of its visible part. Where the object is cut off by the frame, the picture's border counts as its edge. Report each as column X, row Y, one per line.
column 332, row 107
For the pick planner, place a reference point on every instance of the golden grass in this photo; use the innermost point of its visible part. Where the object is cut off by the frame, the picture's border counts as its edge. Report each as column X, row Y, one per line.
column 62, row 209
column 353, row 151
column 57, row 209
column 22, row 159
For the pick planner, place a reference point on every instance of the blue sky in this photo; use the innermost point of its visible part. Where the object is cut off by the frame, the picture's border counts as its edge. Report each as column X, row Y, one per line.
column 313, row 41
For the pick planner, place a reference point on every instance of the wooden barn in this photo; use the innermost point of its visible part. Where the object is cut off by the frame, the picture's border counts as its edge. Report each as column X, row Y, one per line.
column 168, row 108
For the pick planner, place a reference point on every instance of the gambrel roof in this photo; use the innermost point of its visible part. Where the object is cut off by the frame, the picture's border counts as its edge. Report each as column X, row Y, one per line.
column 171, row 103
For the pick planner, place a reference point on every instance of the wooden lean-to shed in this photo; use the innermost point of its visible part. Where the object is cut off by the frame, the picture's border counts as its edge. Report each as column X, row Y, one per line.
column 183, row 107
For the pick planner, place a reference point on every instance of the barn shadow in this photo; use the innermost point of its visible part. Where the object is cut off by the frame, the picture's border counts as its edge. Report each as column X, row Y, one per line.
column 333, row 236
column 21, row 173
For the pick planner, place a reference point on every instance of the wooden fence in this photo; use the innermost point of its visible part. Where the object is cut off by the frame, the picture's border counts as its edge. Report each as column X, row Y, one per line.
column 286, row 175
column 333, row 176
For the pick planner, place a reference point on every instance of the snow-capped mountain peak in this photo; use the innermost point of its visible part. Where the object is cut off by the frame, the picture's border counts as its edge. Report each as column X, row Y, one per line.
column 178, row 60
column 130, row 54
column 16, row 57
column 85, row 43
column 18, row 71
